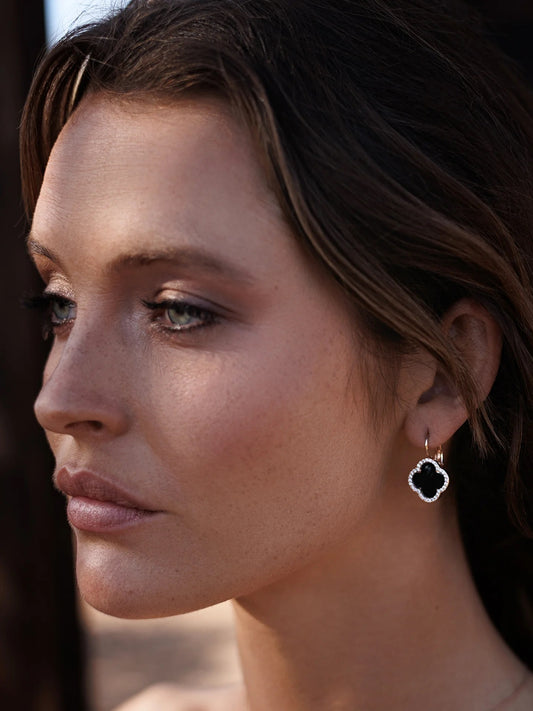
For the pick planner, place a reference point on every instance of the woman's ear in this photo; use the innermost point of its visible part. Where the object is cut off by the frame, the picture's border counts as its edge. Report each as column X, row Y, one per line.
column 440, row 409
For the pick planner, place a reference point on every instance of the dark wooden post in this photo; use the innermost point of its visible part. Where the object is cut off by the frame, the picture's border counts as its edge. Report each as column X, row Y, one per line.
column 40, row 641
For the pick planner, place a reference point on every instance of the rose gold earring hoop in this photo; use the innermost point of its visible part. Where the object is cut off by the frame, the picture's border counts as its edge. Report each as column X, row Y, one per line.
column 429, row 478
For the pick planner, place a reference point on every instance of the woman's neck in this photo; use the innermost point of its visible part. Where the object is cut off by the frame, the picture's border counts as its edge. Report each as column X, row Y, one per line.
column 390, row 620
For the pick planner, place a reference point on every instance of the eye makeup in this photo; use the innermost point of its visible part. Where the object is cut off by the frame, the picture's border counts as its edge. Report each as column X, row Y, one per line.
column 171, row 315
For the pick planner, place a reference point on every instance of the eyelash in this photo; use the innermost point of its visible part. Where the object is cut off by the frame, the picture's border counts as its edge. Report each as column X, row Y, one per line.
column 44, row 304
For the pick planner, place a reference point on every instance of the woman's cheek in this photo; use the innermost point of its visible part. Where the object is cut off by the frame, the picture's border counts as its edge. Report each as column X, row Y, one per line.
column 266, row 428
column 223, row 403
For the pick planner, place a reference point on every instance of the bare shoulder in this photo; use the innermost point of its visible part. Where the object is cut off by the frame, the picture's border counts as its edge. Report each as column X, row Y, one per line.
column 522, row 699
column 173, row 697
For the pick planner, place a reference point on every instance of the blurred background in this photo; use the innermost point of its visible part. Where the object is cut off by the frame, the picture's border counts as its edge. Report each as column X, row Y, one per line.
column 56, row 654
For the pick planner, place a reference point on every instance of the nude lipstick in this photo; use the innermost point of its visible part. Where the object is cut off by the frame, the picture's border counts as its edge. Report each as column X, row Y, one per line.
column 98, row 505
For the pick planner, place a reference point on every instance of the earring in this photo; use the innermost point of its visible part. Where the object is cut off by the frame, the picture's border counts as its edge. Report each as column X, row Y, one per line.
column 428, row 479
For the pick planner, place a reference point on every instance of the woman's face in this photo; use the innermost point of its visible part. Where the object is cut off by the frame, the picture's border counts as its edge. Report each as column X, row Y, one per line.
column 203, row 396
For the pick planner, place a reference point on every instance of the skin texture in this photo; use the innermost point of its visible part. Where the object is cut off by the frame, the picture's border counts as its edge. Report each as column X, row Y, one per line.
column 249, row 434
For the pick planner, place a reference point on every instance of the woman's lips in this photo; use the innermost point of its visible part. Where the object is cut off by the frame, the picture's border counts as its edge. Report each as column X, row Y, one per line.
column 101, row 516
column 97, row 505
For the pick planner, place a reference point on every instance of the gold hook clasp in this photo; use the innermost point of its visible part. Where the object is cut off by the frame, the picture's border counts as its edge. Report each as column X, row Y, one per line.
column 439, row 455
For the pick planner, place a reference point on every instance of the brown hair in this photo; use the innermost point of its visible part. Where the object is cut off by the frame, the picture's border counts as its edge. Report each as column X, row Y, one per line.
column 399, row 144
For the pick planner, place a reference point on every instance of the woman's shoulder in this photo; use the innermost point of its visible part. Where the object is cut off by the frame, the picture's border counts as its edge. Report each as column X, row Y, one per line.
column 173, row 697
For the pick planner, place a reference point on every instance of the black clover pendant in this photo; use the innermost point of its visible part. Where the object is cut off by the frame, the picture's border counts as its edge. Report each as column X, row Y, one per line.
column 428, row 479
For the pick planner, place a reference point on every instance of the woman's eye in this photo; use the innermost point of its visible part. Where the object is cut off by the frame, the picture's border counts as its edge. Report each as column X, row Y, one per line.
column 56, row 311
column 180, row 316
column 61, row 310
column 183, row 316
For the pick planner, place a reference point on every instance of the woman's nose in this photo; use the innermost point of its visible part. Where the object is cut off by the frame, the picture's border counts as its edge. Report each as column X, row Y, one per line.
column 83, row 391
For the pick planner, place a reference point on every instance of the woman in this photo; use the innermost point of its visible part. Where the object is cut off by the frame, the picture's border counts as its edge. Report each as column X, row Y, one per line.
column 287, row 256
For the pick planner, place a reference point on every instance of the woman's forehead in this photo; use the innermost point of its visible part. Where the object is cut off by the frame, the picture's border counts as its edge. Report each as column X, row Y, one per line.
column 158, row 135
column 191, row 155
column 145, row 178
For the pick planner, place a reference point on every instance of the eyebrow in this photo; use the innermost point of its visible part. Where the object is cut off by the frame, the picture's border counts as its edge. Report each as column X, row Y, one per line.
column 184, row 257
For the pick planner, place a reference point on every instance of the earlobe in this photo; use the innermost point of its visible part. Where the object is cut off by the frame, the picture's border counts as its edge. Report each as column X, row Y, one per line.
column 477, row 339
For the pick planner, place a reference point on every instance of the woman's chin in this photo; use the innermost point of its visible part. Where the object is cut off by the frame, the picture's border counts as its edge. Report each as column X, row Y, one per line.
column 121, row 587
column 133, row 604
